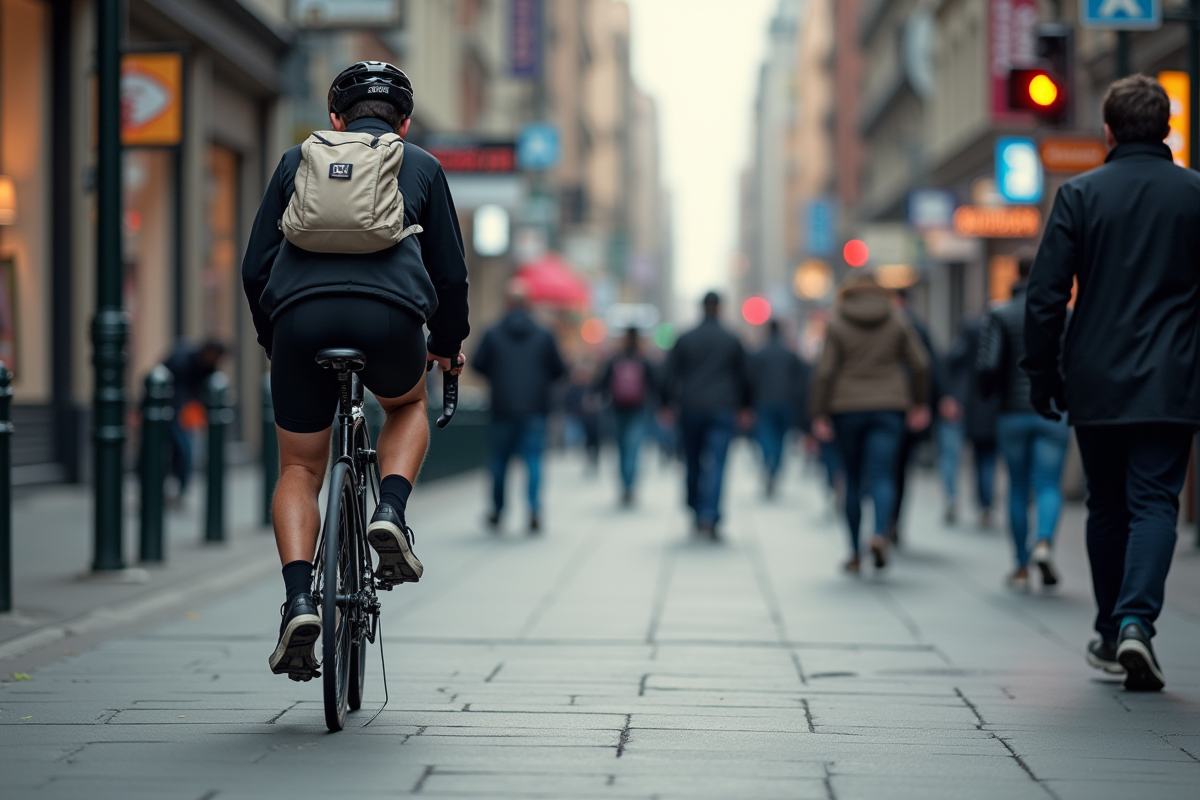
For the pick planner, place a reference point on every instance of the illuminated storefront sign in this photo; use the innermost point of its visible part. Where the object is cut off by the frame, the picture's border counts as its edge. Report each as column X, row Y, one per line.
column 997, row 222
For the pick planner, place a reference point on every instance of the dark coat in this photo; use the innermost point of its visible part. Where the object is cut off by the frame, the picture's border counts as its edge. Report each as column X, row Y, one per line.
column 650, row 377
column 777, row 374
column 979, row 412
column 425, row 273
column 1001, row 348
column 521, row 361
column 707, row 371
column 1129, row 232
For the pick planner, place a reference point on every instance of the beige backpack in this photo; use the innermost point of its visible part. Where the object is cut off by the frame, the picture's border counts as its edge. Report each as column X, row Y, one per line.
column 347, row 199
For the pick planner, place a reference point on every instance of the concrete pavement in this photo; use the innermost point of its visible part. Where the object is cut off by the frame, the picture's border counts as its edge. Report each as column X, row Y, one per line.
column 611, row 657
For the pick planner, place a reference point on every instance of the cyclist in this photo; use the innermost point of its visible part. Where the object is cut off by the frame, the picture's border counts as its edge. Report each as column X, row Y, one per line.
column 303, row 301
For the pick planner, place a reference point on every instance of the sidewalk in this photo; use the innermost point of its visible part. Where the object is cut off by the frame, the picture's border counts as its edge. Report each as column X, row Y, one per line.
column 611, row 657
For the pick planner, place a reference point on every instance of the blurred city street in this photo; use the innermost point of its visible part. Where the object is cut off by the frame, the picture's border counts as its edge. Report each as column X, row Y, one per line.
column 614, row 656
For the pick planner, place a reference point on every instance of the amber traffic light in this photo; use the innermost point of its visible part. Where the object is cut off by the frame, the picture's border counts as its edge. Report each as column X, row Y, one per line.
column 1038, row 90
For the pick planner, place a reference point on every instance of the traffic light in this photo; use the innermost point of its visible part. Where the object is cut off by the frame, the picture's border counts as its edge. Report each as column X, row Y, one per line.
column 1044, row 87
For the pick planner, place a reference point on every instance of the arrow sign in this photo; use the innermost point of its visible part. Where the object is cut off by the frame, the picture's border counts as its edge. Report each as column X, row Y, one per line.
column 1121, row 15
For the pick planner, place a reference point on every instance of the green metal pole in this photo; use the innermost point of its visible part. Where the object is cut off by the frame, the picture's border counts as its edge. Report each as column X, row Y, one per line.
column 216, row 401
column 270, row 451
column 157, row 414
column 6, row 431
column 110, row 327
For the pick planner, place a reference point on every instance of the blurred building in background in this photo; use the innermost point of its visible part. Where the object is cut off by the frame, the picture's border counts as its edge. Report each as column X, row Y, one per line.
column 550, row 149
column 924, row 171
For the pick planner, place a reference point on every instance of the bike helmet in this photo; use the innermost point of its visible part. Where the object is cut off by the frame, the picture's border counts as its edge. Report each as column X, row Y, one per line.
column 371, row 80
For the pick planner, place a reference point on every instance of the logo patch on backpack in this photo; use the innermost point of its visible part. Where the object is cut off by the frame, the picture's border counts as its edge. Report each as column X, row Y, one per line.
column 340, row 170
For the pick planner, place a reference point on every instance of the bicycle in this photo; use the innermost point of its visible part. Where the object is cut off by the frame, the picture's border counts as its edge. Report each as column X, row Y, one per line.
column 344, row 587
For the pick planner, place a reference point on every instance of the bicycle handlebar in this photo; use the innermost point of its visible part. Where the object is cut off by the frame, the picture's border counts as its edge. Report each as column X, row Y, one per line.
column 449, row 395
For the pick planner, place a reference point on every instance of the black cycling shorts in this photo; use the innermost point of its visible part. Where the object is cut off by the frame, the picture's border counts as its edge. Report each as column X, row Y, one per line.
column 305, row 394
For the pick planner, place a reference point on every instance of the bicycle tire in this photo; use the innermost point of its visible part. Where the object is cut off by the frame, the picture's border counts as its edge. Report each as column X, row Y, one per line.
column 341, row 577
column 358, row 647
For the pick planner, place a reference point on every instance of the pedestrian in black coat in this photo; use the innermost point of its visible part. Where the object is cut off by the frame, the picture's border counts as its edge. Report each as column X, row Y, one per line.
column 1129, row 233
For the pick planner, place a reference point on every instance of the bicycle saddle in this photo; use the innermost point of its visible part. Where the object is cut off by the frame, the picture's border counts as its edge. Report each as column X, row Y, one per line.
column 343, row 359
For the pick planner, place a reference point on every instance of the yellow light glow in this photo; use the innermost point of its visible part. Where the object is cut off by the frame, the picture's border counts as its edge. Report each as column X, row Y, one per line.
column 813, row 280
column 1043, row 91
column 8, row 201
column 896, row 276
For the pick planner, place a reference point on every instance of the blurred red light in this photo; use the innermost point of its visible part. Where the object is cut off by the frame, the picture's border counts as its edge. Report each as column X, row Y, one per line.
column 856, row 253
column 756, row 310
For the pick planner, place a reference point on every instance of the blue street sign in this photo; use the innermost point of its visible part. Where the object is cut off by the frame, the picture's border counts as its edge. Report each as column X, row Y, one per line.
column 1019, row 176
column 1121, row 15
column 821, row 225
column 537, row 146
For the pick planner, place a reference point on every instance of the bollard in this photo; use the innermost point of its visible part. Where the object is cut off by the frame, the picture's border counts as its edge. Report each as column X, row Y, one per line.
column 6, row 431
column 270, row 451
column 157, row 414
column 216, row 402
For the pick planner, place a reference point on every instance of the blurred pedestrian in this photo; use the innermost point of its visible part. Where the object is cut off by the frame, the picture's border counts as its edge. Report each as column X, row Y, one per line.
column 1034, row 448
column 965, row 415
column 520, row 360
column 191, row 365
column 629, row 382
column 707, row 380
column 778, row 382
column 1129, row 369
column 582, row 408
column 870, row 386
column 912, row 438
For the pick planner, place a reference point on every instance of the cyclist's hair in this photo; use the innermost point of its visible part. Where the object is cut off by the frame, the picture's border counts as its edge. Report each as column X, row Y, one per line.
column 376, row 109
column 1137, row 109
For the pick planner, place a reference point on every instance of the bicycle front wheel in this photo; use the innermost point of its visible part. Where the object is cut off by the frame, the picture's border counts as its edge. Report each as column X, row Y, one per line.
column 339, row 591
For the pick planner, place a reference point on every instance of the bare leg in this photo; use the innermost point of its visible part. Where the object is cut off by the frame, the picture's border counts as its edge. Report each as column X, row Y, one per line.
column 405, row 436
column 297, row 517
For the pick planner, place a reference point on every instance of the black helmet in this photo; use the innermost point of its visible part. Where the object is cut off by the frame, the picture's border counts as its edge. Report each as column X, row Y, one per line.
column 371, row 80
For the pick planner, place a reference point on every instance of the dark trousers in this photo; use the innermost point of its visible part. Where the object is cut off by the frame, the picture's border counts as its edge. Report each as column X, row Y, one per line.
column 630, row 429
column 181, row 454
column 984, row 455
column 774, row 419
column 706, row 439
column 870, row 443
column 1134, row 475
column 524, row 436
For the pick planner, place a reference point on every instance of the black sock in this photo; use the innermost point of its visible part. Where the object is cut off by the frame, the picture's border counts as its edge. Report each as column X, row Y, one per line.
column 394, row 490
column 297, row 578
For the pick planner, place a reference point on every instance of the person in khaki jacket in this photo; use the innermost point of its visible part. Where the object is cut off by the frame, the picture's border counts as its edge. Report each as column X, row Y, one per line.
column 872, row 380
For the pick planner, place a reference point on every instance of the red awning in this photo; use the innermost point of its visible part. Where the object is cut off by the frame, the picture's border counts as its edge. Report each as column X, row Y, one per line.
column 551, row 281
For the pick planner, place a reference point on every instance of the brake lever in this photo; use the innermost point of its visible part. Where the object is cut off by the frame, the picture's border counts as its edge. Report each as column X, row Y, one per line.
column 449, row 394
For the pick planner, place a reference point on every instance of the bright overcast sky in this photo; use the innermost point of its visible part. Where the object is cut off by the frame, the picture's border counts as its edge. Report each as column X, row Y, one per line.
column 699, row 59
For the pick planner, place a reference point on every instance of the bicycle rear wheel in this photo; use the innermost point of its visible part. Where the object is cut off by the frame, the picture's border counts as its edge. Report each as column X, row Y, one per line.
column 339, row 589
column 358, row 645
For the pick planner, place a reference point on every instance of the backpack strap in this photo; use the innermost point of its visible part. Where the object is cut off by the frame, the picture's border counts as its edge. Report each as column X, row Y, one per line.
column 409, row 231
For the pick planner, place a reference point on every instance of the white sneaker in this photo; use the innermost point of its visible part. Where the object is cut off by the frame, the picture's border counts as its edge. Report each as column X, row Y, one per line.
column 1044, row 558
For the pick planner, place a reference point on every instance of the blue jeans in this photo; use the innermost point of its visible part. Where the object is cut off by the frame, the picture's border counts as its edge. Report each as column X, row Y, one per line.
column 870, row 445
column 519, row 435
column 773, row 421
column 1034, row 450
column 831, row 459
column 950, row 442
column 984, row 455
column 181, row 454
column 706, row 439
column 631, row 428
column 1134, row 475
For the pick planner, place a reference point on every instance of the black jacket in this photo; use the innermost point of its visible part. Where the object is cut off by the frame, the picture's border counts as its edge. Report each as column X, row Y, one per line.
column 979, row 412
column 1001, row 348
column 425, row 273
column 707, row 371
column 777, row 374
column 1129, row 232
column 521, row 361
column 650, row 379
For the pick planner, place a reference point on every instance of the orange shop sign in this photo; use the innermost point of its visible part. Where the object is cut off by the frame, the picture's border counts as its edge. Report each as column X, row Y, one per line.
column 151, row 99
column 997, row 222
column 1072, row 155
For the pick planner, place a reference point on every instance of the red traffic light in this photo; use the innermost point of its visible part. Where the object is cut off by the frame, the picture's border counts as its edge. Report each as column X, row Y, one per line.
column 1038, row 90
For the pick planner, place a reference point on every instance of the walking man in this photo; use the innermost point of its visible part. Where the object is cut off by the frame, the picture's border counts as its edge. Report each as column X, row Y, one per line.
column 779, row 381
column 628, row 381
column 521, row 361
column 1129, row 233
column 707, row 380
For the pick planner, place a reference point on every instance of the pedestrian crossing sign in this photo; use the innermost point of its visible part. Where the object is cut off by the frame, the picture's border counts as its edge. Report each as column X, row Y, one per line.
column 1121, row 15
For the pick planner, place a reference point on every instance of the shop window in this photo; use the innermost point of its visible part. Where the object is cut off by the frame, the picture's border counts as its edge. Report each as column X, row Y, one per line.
column 148, row 226
column 221, row 283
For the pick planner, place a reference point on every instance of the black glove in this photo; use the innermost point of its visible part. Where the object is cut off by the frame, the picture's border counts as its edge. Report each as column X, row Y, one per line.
column 1041, row 395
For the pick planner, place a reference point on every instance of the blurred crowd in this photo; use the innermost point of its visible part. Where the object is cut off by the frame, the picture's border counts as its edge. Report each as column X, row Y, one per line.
column 873, row 399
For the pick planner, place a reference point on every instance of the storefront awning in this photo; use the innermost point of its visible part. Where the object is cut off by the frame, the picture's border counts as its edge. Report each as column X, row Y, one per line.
column 551, row 281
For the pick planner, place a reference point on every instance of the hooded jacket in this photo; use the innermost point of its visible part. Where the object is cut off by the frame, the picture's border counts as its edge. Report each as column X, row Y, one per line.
column 425, row 274
column 872, row 361
column 521, row 361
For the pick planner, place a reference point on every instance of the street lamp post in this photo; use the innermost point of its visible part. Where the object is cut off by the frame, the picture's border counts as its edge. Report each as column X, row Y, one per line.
column 110, row 327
